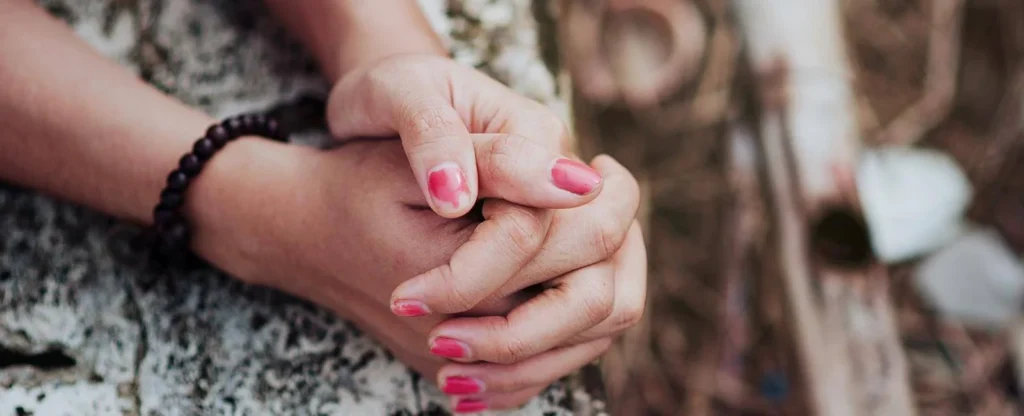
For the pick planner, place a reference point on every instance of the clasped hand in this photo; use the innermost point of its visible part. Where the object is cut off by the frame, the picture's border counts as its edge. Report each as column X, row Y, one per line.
column 498, row 305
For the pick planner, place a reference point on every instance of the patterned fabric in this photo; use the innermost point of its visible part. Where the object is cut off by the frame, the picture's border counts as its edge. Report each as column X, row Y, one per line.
column 87, row 329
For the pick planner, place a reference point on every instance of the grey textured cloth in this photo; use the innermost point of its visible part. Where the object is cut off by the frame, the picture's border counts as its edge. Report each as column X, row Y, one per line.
column 86, row 328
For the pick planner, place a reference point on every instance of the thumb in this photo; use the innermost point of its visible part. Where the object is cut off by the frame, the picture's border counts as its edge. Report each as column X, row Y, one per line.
column 435, row 139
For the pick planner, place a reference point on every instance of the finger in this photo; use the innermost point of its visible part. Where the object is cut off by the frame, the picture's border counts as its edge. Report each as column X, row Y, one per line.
column 578, row 301
column 488, row 379
column 434, row 136
column 526, row 171
column 543, row 124
column 506, row 401
column 508, row 238
column 630, row 290
column 582, row 236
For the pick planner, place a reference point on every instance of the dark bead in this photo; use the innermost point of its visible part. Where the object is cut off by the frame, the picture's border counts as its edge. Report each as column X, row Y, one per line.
column 162, row 214
column 204, row 148
column 276, row 131
column 190, row 164
column 259, row 122
column 174, row 233
column 271, row 129
column 234, row 126
column 219, row 135
column 249, row 125
column 177, row 180
column 171, row 199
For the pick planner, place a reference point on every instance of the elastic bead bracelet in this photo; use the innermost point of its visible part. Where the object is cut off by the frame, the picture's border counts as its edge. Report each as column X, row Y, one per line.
column 172, row 233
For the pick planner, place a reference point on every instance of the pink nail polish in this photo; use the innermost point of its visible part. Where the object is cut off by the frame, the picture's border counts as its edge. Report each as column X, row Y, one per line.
column 449, row 348
column 448, row 187
column 462, row 385
column 407, row 308
column 575, row 177
column 470, row 405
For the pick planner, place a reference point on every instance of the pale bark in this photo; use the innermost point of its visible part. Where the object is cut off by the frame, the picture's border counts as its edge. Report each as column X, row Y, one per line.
column 840, row 308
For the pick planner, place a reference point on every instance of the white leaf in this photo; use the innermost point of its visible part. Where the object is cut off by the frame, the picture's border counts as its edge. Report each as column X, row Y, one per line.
column 913, row 200
column 977, row 280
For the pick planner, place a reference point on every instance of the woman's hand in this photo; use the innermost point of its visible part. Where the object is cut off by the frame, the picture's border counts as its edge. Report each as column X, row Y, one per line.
column 434, row 104
column 592, row 275
column 344, row 228
column 341, row 228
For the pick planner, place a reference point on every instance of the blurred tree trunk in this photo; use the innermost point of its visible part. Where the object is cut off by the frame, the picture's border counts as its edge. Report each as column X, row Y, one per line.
column 743, row 120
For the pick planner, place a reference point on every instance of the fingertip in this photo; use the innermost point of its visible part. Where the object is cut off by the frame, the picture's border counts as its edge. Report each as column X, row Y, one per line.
column 576, row 177
column 407, row 299
column 449, row 190
column 451, row 348
column 409, row 308
column 605, row 161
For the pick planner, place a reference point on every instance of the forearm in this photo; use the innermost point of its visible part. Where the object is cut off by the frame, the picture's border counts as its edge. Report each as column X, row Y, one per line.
column 79, row 126
column 343, row 34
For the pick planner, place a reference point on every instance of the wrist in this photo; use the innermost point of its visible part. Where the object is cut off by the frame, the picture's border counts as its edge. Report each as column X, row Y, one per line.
column 234, row 204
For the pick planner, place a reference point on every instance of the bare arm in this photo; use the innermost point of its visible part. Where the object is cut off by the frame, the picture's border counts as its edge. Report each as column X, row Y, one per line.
column 345, row 33
column 79, row 126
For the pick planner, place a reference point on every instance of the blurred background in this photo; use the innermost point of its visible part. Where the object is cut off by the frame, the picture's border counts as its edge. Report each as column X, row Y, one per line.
column 833, row 207
column 833, row 199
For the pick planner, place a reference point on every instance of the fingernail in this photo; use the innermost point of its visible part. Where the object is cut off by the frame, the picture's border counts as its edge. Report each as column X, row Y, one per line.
column 470, row 405
column 575, row 177
column 448, row 187
column 402, row 307
column 449, row 348
column 462, row 385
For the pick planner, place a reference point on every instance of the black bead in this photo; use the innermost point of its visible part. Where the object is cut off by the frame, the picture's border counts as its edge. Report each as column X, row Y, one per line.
column 204, row 148
column 219, row 135
column 276, row 131
column 177, row 180
column 171, row 199
column 162, row 215
column 271, row 128
column 234, row 126
column 174, row 233
column 190, row 164
column 249, row 125
column 259, row 122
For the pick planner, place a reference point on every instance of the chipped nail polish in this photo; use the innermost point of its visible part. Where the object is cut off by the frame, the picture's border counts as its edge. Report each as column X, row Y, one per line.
column 409, row 308
column 448, row 187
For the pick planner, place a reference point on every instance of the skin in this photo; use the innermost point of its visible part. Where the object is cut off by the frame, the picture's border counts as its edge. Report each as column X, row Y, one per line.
column 353, row 229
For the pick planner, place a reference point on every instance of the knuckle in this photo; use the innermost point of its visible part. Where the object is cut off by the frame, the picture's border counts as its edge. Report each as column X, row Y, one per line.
column 619, row 181
column 601, row 346
column 524, row 230
column 512, row 350
column 505, row 153
column 378, row 79
column 549, row 119
column 455, row 298
column 508, row 146
column 424, row 118
column 559, row 130
column 627, row 316
column 610, row 235
column 599, row 305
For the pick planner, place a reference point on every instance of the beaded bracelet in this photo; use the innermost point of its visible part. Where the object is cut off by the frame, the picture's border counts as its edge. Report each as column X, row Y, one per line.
column 171, row 228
